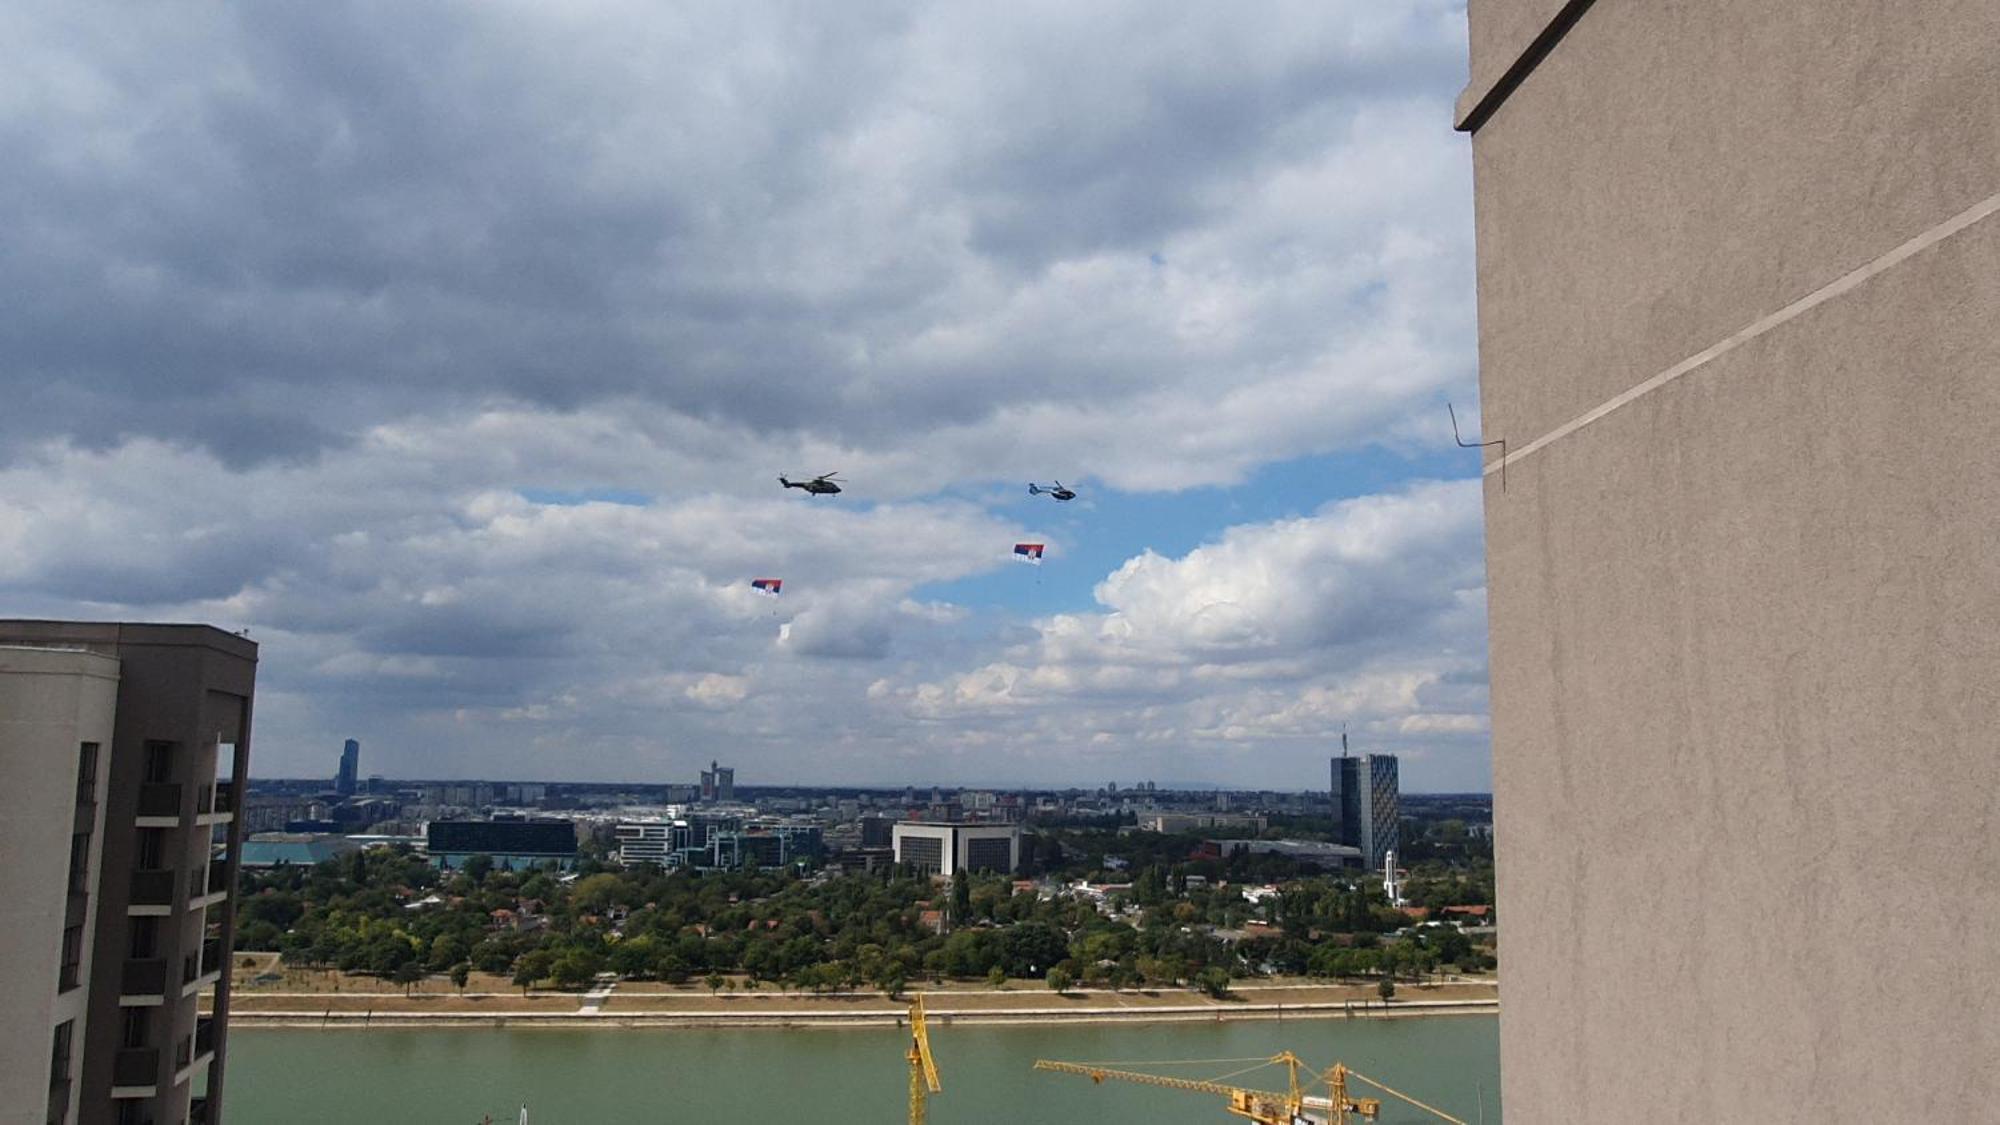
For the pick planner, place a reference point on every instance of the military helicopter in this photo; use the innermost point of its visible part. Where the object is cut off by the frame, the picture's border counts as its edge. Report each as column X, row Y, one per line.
column 821, row 485
column 1059, row 492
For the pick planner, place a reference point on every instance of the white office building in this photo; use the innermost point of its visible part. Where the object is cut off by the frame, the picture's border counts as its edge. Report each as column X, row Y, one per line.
column 936, row 848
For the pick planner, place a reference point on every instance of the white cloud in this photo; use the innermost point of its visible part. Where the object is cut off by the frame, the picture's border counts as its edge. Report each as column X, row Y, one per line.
column 308, row 301
column 1369, row 613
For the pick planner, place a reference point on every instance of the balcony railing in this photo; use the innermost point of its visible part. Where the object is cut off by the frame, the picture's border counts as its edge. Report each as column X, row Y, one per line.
column 225, row 797
column 218, row 878
column 160, row 798
column 143, row 978
column 212, row 956
column 204, row 800
column 153, row 888
column 198, row 1110
column 136, row 1066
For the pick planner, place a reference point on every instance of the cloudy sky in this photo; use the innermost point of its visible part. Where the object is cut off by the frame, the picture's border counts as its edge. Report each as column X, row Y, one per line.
column 453, row 350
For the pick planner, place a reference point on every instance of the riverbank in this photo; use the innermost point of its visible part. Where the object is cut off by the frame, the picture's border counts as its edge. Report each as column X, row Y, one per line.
column 619, row 1006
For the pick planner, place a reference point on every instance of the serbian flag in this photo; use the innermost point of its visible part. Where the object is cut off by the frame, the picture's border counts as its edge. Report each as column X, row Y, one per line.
column 767, row 586
column 1030, row 553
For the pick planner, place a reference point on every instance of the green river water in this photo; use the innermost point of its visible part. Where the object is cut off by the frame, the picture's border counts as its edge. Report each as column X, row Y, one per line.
column 390, row 1076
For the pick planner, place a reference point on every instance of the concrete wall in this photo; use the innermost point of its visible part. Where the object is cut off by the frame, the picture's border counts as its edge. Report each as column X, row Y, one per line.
column 1745, row 571
column 51, row 702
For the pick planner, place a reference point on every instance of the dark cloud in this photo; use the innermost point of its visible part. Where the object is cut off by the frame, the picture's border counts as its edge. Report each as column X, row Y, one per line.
column 303, row 301
column 355, row 213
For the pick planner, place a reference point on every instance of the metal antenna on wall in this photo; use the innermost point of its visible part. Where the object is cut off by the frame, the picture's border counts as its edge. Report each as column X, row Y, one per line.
column 1464, row 444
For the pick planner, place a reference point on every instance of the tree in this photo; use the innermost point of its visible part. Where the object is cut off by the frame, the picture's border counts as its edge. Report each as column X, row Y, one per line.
column 574, row 969
column 996, row 977
column 1061, row 979
column 1213, row 981
column 1386, row 989
column 461, row 973
column 446, row 951
column 961, row 897
column 531, row 968
column 714, row 983
column 633, row 956
column 477, row 868
column 597, row 893
column 408, row 974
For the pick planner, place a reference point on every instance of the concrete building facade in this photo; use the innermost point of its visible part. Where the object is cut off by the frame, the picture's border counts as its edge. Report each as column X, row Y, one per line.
column 162, row 765
column 56, row 726
column 1739, row 266
column 947, row 848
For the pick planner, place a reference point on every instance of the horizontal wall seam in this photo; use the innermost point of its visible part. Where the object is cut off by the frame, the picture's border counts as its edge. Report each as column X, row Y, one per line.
column 1984, row 209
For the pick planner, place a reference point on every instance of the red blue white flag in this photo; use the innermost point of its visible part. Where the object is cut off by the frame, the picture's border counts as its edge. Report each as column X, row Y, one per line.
column 1030, row 553
column 767, row 586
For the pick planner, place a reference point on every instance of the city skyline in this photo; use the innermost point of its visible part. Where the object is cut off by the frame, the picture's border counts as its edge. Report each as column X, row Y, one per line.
column 475, row 424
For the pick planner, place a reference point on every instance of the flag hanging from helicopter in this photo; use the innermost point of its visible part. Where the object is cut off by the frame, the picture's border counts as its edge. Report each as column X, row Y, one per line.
column 1030, row 553
column 769, row 587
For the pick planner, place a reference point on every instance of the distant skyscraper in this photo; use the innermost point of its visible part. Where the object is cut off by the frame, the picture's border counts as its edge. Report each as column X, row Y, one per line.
column 1367, row 802
column 350, row 768
column 718, row 783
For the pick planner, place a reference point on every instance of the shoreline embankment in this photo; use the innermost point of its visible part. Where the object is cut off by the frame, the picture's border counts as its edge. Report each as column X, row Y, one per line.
column 878, row 1017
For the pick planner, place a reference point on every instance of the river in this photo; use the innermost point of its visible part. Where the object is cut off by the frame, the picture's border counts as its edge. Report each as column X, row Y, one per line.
column 443, row 1076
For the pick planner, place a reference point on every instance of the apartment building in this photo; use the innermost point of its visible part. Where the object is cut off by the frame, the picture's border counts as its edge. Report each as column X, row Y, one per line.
column 121, row 747
column 1739, row 266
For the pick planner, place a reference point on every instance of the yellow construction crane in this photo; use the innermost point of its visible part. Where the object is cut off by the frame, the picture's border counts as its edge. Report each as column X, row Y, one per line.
column 1264, row 1106
column 923, row 1068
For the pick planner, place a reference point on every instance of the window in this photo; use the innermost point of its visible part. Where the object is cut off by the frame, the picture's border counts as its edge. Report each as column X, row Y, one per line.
column 989, row 855
column 925, row 852
column 137, row 1024
column 152, row 849
column 72, row 957
column 79, row 863
column 59, row 1057
column 86, row 773
column 159, row 762
column 145, row 932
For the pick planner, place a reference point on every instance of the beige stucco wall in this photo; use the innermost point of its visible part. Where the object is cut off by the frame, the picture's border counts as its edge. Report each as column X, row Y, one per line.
column 1746, row 628
column 50, row 703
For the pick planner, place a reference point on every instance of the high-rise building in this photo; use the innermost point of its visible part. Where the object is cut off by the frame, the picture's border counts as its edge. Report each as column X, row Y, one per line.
column 718, row 783
column 1738, row 271
column 122, row 747
column 1367, row 803
column 350, row 769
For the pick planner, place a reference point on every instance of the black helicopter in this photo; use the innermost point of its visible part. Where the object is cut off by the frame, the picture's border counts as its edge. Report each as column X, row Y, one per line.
column 821, row 485
column 1059, row 492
